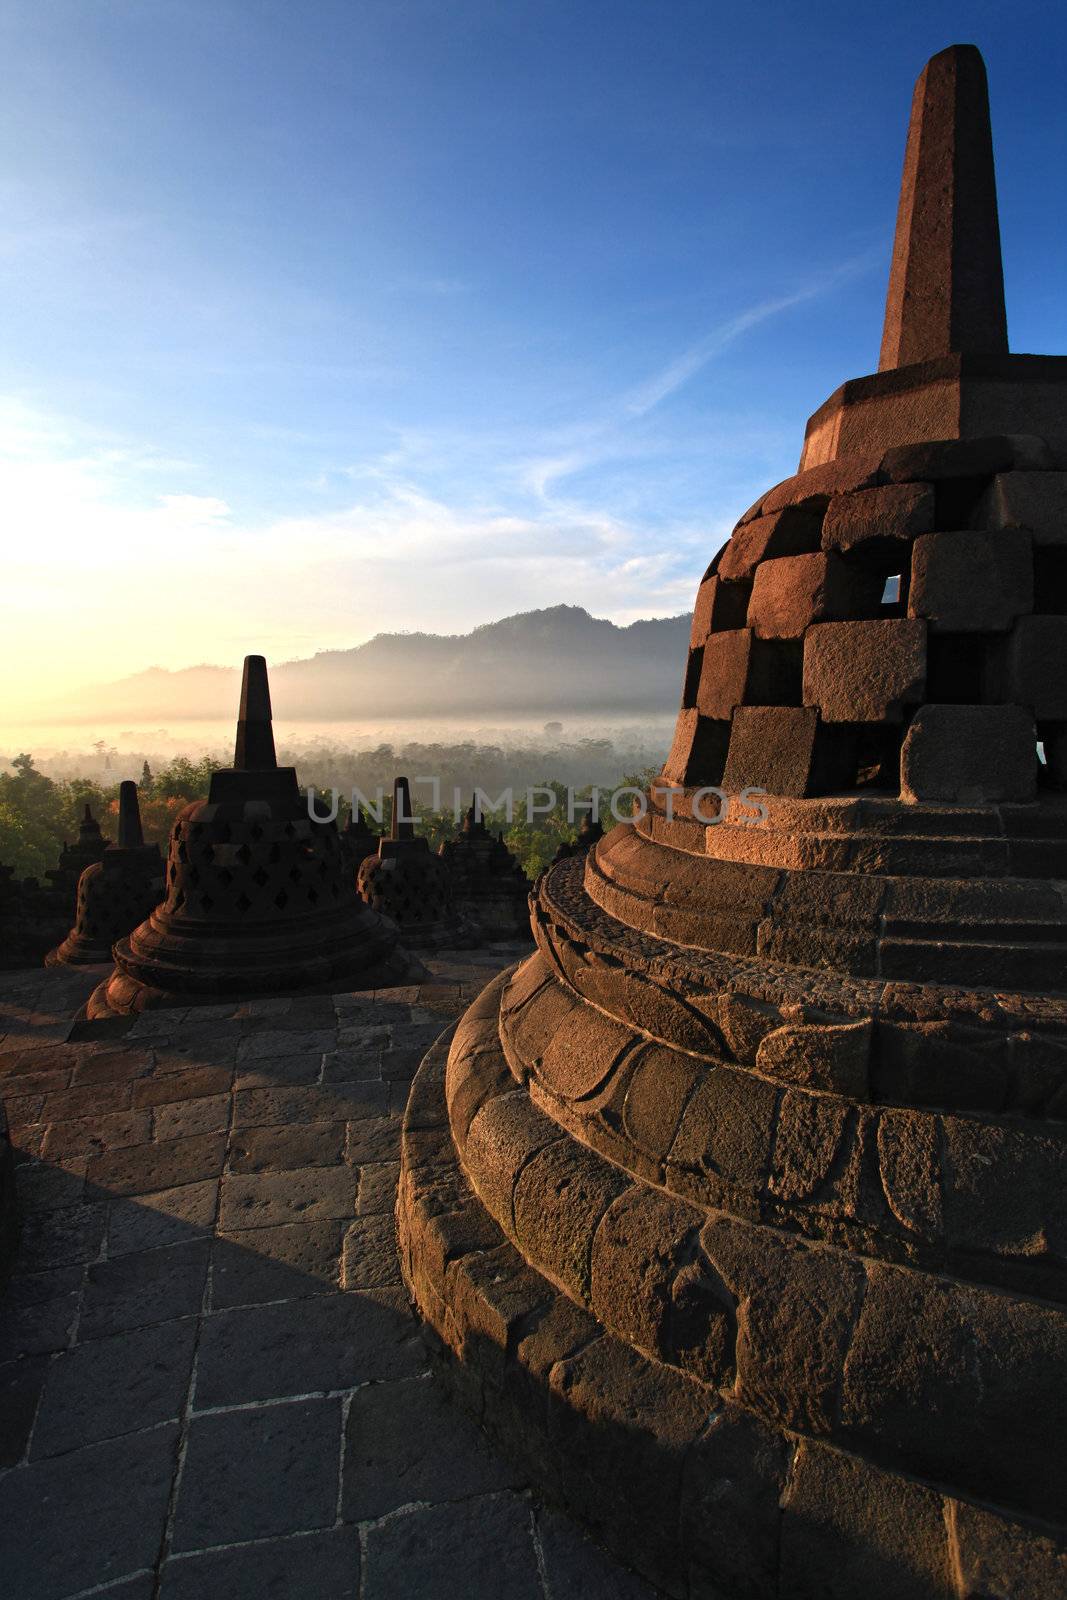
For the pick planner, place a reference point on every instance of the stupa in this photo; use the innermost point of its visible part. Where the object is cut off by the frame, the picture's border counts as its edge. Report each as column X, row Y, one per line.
column 115, row 893
column 739, row 1205
column 257, row 900
column 488, row 884
column 358, row 841
column 87, row 849
column 589, row 833
column 406, row 882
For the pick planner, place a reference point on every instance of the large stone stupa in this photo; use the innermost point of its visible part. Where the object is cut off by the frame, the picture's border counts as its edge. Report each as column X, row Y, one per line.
column 739, row 1206
column 257, row 900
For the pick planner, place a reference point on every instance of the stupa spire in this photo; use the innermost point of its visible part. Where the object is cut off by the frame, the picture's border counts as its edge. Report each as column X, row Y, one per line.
column 403, row 823
column 131, row 835
column 946, row 283
column 254, row 750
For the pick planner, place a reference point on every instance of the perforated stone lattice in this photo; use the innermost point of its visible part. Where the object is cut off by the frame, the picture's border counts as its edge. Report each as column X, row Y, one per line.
column 867, row 589
column 112, row 902
column 413, row 889
column 299, row 868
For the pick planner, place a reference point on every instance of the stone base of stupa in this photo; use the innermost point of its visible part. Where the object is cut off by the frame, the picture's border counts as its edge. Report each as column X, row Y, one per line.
column 757, row 1269
column 165, row 964
column 77, row 951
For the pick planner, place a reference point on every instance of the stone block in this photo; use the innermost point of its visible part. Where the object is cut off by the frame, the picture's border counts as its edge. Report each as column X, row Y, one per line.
column 937, row 459
column 693, row 665
column 115, row 1385
column 270, row 1199
column 787, row 751
column 796, row 1308
column 610, row 1404
column 893, row 511
column 827, row 1056
column 560, row 1197
column 646, row 1286
column 1029, row 667
column 1036, row 501
column 719, row 605
column 851, row 1529
column 698, row 753
column 950, row 1381
column 791, row 592
column 971, row 582
column 325, row 1563
column 235, row 1462
column 433, row 1550
column 739, row 669
column 789, row 532
column 659, row 1087
column 1005, row 1560
column 703, row 610
column 969, row 754
column 818, row 484
column 734, row 1477
column 724, row 673
column 725, row 1131
column 86, row 1534
column 865, row 671
column 941, row 1064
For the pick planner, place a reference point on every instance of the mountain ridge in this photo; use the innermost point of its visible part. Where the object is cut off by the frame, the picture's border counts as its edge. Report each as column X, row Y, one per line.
column 553, row 658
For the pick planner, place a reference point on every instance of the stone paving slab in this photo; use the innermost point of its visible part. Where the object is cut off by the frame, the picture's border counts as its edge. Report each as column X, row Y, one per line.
column 211, row 1382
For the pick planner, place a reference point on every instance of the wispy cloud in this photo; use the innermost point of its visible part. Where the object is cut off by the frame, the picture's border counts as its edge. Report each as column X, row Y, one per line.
column 608, row 434
column 670, row 378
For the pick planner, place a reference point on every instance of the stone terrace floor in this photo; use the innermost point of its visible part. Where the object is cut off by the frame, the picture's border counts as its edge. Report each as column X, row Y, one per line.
column 211, row 1383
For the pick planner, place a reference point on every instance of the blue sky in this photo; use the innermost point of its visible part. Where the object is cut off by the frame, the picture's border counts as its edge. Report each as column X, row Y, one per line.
column 332, row 316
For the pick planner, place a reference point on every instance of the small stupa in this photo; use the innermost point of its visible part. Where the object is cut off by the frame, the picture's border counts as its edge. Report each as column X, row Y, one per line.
column 256, row 896
column 589, row 833
column 88, row 848
column 358, row 841
column 740, row 1204
column 405, row 881
column 115, row 893
column 488, row 883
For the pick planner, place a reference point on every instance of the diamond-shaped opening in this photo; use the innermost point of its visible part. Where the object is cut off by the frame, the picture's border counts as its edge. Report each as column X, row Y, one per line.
column 281, row 899
column 260, row 877
column 244, row 854
column 243, row 903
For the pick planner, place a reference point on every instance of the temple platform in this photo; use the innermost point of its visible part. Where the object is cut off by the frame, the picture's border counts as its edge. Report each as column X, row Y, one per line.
column 211, row 1382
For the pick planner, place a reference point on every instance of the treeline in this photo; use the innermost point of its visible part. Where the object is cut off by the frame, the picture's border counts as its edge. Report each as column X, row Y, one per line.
column 38, row 813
